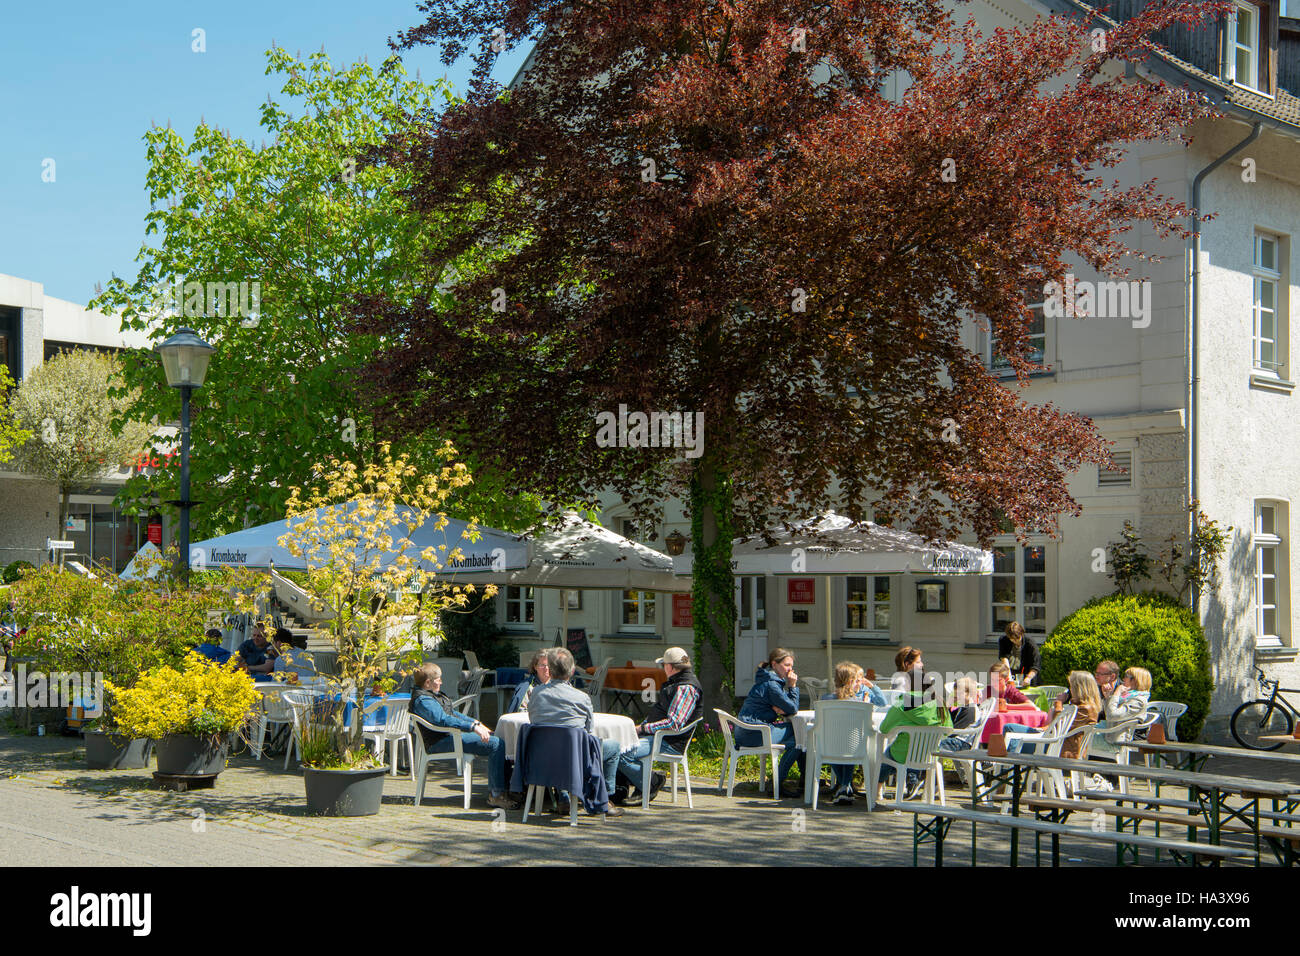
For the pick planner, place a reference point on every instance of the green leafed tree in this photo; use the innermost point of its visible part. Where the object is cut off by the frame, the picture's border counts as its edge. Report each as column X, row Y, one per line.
column 70, row 405
column 12, row 434
column 260, row 249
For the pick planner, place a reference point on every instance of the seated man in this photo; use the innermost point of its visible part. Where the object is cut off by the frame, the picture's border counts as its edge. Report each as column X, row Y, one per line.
column 257, row 653
column 430, row 704
column 211, row 647
column 558, row 703
column 677, row 705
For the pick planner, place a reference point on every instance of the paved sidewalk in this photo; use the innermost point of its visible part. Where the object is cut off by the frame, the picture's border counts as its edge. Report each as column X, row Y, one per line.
column 53, row 810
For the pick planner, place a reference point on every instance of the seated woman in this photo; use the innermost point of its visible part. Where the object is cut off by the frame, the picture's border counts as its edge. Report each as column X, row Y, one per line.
column 914, row 710
column 430, row 704
column 907, row 660
column 1001, row 685
column 850, row 684
column 1129, row 700
column 774, row 696
column 539, row 672
column 1020, row 653
column 1085, row 695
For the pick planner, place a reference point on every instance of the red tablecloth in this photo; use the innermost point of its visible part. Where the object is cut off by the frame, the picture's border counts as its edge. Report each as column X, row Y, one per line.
column 1026, row 714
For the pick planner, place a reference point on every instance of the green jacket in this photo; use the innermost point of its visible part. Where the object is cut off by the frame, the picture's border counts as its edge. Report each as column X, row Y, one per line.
column 927, row 715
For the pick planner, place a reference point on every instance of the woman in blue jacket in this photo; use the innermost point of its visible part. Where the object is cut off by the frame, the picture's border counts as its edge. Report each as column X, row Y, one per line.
column 775, row 695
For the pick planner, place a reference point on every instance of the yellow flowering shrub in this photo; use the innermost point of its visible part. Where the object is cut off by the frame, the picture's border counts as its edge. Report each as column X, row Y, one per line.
column 202, row 698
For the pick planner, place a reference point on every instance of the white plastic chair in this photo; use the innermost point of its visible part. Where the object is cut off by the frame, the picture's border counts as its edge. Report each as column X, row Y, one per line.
column 299, row 704
column 1048, row 744
column 1050, row 691
column 891, row 696
column 657, row 755
column 765, row 750
column 275, row 711
column 422, row 758
column 1121, row 734
column 1169, row 711
column 594, row 684
column 842, row 734
column 393, row 732
column 921, row 745
column 814, row 687
column 472, row 688
column 472, row 660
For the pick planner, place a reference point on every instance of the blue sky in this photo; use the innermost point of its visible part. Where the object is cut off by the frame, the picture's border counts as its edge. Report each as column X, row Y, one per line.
column 82, row 81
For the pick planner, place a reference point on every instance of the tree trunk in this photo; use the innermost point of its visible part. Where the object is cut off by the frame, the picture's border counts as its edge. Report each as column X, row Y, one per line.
column 712, row 586
column 65, row 494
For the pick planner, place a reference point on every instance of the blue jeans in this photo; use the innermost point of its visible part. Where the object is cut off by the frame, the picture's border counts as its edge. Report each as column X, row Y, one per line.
column 781, row 734
column 844, row 774
column 887, row 774
column 629, row 764
column 1019, row 746
column 493, row 748
column 953, row 744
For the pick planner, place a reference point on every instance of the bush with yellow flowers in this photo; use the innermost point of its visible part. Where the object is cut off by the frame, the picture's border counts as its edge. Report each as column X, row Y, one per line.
column 202, row 699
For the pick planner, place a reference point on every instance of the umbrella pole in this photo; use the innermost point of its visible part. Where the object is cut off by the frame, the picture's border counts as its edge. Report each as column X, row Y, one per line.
column 830, row 668
column 564, row 636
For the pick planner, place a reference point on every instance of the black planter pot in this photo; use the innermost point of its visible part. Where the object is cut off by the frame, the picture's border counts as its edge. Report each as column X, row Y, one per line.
column 183, row 755
column 111, row 752
column 344, row 793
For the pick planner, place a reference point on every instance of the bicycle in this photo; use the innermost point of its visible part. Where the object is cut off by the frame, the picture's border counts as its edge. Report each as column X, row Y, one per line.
column 1263, row 717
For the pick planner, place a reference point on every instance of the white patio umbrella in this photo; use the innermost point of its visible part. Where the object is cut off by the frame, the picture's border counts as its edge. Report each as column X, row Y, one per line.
column 831, row 544
column 259, row 547
column 149, row 551
column 577, row 554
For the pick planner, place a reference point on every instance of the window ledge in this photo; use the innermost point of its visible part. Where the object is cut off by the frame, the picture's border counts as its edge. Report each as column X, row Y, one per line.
column 1279, row 655
column 982, row 646
column 631, row 636
column 1271, row 383
column 862, row 641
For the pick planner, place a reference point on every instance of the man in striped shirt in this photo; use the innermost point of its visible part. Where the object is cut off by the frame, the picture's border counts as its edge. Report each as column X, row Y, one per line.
column 677, row 706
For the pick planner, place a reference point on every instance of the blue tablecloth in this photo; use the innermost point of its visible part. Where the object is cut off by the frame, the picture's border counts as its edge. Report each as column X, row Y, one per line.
column 375, row 718
column 511, row 675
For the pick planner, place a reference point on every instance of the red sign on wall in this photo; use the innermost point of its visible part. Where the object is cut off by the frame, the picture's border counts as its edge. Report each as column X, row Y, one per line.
column 801, row 590
column 683, row 615
column 155, row 530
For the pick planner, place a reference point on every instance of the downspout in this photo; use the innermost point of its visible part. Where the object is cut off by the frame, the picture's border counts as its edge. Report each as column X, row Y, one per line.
column 1195, row 357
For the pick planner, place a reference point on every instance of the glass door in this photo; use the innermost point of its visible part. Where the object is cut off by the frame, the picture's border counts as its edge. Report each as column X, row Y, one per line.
column 751, row 629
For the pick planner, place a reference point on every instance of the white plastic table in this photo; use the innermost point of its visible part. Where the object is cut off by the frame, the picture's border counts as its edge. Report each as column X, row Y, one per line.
column 606, row 726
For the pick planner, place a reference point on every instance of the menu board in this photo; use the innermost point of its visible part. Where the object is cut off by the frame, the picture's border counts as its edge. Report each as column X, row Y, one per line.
column 577, row 641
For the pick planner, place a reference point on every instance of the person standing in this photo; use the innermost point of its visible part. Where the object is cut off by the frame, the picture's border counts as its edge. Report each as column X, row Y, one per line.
column 1020, row 653
column 677, row 706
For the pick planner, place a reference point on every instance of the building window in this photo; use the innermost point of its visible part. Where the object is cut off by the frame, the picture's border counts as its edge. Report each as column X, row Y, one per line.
column 1121, row 476
column 638, row 607
column 867, row 603
column 521, row 605
column 1243, row 47
column 1268, row 322
column 1272, row 615
column 11, row 327
column 1037, row 343
column 1018, row 588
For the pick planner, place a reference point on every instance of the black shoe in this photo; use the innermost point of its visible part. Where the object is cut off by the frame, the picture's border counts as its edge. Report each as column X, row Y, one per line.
column 657, row 781
column 619, row 796
column 791, row 789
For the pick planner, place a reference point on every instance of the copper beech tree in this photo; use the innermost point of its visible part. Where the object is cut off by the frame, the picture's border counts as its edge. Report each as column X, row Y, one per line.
column 726, row 208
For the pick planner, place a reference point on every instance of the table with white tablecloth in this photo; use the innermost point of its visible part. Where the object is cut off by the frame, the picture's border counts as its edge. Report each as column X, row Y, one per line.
column 605, row 726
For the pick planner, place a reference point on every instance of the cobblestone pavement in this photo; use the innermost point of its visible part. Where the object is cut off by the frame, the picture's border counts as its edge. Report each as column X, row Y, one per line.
column 53, row 810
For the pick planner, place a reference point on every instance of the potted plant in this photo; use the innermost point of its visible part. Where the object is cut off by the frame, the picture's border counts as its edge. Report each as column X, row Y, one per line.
column 109, row 631
column 189, row 712
column 378, row 591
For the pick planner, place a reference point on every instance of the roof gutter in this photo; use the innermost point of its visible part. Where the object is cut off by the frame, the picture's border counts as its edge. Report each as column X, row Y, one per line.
column 1193, row 385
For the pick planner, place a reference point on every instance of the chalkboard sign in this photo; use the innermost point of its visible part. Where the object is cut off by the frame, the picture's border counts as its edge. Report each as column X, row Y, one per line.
column 578, row 646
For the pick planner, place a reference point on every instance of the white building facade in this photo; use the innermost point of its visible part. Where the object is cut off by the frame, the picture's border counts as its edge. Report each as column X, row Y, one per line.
column 33, row 328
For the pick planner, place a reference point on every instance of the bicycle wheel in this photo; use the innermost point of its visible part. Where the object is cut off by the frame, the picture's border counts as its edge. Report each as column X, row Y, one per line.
column 1258, row 718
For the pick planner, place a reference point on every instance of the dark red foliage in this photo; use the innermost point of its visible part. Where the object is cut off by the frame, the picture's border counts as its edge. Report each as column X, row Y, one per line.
column 775, row 170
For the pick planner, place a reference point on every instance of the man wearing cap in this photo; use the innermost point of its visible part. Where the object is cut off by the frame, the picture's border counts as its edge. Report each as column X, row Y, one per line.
column 677, row 706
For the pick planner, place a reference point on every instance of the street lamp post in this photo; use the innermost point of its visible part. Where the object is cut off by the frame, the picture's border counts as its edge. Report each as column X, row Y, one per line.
column 185, row 361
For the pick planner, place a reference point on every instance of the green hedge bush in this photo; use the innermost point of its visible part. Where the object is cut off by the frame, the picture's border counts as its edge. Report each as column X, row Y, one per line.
column 1150, row 630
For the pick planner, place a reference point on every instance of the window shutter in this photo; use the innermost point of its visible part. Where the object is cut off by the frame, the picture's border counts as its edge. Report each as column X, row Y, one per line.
column 1268, row 27
column 1121, row 476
